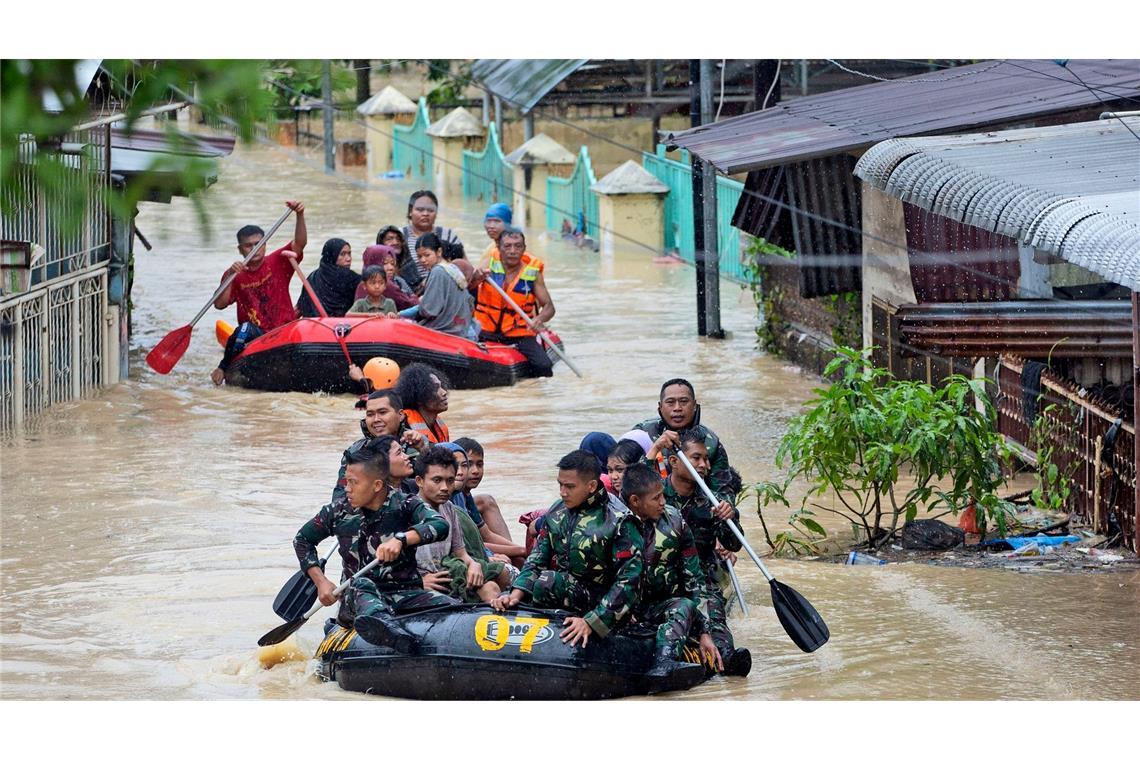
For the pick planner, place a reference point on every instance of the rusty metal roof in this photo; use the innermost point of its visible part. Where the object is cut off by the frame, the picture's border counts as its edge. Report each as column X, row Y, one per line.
column 521, row 83
column 951, row 100
column 1072, row 190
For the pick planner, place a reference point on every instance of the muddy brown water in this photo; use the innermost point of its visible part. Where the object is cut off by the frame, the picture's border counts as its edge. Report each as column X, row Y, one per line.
column 144, row 532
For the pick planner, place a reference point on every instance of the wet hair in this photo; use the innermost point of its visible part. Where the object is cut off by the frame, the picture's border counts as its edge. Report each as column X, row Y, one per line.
column 390, row 394
column 440, row 456
column 369, row 272
column 509, row 231
column 372, row 457
column 248, row 231
column 638, row 480
column 430, row 240
column 582, row 462
column 470, row 445
column 628, row 452
column 692, row 435
column 421, row 194
column 678, row 381
column 415, row 385
column 381, row 443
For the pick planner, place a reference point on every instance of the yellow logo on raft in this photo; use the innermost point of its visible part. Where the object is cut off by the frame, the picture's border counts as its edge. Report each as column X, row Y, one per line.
column 493, row 632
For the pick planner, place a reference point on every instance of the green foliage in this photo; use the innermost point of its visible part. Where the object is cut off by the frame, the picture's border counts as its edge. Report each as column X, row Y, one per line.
column 451, row 83
column 886, row 448
column 292, row 81
column 766, row 296
column 1054, row 482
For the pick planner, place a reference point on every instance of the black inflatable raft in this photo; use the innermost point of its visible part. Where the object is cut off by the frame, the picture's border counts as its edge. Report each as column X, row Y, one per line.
column 474, row 652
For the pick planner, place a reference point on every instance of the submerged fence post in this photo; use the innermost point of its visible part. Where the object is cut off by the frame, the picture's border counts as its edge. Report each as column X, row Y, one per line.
column 631, row 209
column 531, row 164
column 449, row 136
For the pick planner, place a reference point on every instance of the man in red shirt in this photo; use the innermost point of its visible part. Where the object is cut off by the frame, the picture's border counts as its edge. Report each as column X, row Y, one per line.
column 261, row 287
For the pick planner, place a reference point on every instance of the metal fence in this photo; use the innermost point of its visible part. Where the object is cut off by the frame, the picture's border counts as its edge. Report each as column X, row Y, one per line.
column 569, row 198
column 411, row 146
column 487, row 175
column 679, row 227
column 1077, row 425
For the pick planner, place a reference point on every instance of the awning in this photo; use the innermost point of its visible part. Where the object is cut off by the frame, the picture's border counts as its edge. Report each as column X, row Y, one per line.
column 152, row 153
column 957, row 99
column 521, row 83
column 1071, row 190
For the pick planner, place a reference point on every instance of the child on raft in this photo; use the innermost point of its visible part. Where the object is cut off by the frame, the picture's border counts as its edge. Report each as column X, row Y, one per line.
column 375, row 282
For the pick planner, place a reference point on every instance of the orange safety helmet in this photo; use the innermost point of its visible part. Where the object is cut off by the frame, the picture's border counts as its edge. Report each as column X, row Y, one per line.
column 381, row 372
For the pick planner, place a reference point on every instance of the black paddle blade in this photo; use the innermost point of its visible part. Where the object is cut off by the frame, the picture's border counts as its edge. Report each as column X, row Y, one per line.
column 803, row 624
column 281, row 632
column 296, row 597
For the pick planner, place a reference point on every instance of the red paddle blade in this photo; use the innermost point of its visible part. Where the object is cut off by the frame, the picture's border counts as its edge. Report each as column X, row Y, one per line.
column 169, row 350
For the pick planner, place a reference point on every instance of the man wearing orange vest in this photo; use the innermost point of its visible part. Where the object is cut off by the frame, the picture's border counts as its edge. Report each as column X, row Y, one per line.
column 519, row 274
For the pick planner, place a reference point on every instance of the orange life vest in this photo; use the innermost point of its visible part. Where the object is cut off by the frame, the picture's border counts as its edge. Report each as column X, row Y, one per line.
column 435, row 433
column 493, row 314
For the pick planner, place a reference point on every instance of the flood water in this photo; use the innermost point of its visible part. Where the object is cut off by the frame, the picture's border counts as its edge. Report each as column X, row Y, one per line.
column 146, row 531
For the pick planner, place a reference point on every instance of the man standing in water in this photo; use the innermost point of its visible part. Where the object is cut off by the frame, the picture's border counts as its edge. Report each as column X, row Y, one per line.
column 392, row 525
column 587, row 558
column 261, row 287
column 709, row 524
column 519, row 274
column 383, row 415
column 677, row 412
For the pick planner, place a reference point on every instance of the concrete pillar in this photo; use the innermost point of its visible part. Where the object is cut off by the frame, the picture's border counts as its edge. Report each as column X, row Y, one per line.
column 456, row 131
column 532, row 163
column 381, row 113
column 631, row 210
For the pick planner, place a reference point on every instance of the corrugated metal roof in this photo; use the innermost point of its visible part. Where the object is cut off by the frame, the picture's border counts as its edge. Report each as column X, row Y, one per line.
column 950, row 100
column 523, row 82
column 1072, row 190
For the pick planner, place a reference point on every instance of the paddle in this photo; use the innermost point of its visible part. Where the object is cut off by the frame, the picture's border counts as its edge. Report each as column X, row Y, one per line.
column 170, row 349
column 735, row 585
column 530, row 324
column 298, row 593
column 285, row 630
column 320, row 309
column 802, row 623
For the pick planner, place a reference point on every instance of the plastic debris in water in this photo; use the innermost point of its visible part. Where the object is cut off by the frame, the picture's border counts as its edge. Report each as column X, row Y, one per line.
column 858, row 558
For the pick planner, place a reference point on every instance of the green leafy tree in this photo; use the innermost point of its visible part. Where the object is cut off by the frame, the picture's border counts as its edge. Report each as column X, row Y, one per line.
column 887, row 448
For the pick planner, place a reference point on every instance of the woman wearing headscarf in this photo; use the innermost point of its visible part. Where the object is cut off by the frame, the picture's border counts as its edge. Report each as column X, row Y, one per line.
column 333, row 282
column 397, row 288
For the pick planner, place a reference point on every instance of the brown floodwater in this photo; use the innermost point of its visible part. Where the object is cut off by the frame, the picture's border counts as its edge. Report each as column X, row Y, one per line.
column 145, row 532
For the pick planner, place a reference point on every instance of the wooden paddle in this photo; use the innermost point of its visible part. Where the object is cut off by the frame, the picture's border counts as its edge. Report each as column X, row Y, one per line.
column 530, row 324
column 285, row 630
column 802, row 623
column 170, row 349
column 298, row 593
column 320, row 309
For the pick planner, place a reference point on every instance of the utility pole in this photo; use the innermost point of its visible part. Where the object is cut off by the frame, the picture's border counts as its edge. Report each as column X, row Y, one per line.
column 698, row 196
column 499, row 117
column 326, row 94
column 708, row 179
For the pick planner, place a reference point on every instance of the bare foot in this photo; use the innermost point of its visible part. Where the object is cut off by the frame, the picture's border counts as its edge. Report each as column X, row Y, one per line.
column 218, row 376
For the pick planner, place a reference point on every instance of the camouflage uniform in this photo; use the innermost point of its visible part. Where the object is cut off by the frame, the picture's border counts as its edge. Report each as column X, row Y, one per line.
column 719, row 478
column 674, row 596
column 586, row 560
column 336, row 519
column 411, row 451
column 391, row 587
column 707, row 531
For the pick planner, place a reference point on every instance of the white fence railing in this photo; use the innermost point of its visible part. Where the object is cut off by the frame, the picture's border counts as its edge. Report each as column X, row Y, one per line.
column 57, row 343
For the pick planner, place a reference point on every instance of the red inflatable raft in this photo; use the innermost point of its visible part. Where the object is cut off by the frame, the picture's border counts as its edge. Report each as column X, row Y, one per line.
column 305, row 355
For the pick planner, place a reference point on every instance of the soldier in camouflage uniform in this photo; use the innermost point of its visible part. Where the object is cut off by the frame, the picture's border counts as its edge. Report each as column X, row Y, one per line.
column 587, row 558
column 674, row 596
column 392, row 524
column 709, row 524
column 383, row 415
column 678, row 411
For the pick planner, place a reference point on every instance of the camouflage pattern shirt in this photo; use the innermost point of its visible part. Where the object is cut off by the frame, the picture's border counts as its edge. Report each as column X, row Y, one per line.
column 719, row 478
column 336, row 519
column 411, row 451
column 600, row 547
column 671, row 565
column 707, row 530
column 402, row 512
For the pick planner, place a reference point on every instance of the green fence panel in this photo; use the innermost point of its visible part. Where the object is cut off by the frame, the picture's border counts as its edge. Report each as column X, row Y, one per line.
column 567, row 197
column 411, row 146
column 487, row 175
column 679, row 233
